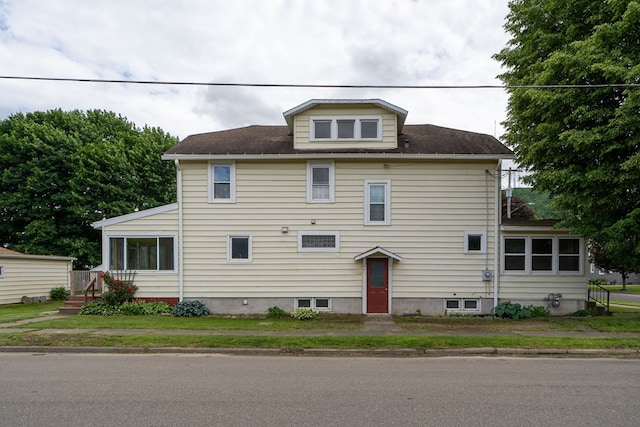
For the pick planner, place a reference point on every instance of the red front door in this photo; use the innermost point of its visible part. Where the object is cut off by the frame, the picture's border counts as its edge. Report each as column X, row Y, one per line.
column 377, row 285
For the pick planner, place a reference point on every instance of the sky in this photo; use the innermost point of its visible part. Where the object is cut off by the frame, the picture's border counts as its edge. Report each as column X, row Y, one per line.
column 328, row 42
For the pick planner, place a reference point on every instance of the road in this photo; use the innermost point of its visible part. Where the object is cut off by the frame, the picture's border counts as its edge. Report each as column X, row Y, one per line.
column 193, row 390
column 621, row 296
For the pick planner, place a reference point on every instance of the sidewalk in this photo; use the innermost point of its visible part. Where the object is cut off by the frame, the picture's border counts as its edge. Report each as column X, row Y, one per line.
column 374, row 326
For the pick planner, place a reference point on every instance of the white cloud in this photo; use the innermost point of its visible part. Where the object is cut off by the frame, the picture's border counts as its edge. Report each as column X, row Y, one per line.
column 436, row 42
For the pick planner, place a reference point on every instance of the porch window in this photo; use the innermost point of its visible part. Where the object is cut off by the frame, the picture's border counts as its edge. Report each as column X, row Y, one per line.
column 543, row 255
column 141, row 253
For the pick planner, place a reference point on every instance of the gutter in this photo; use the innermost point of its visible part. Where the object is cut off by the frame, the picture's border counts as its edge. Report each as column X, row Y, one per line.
column 180, row 232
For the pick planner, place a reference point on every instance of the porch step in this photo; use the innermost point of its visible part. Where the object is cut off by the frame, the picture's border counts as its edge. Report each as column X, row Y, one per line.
column 380, row 323
column 73, row 304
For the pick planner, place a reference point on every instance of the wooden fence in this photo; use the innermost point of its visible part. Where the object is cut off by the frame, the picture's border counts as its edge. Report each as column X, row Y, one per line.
column 80, row 279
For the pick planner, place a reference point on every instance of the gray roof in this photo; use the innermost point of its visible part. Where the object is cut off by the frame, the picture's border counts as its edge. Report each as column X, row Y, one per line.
column 277, row 140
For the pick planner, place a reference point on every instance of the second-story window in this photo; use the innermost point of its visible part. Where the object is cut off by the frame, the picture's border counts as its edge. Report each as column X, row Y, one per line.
column 320, row 182
column 222, row 182
column 377, row 205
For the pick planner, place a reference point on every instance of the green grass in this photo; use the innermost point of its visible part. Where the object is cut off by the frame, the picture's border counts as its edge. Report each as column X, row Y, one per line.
column 15, row 312
column 631, row 289
column 292, row 344
column 325, row 323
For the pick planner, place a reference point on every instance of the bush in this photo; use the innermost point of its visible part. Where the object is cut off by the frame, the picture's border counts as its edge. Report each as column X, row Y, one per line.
column 99, row 308
column 276, row 313
column 155, row 308
column 59, row 294
column 304, row 314
column 190, row 309
column 508, row 310
column 119, row 291
column 537, row 310
column 131, row 308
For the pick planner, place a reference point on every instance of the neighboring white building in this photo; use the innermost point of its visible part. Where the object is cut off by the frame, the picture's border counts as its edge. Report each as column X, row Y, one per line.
column 31, row 275
column 345, row 209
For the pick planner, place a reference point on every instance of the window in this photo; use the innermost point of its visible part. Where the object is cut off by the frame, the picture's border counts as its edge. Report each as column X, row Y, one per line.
column 462, row 304
column 1, row 271
column 346, row 127
column 551, row 255
column 239, row 248
column 320, row 304
column 475, row 242
column 320, row 182
column 318, row 241
column 222, row 183
column 377, row 202
column 148, row 253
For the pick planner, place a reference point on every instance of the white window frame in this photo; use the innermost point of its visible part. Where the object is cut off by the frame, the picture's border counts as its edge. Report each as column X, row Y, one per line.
column 332, row 180
column 313, row 304
column 387, row 199
column 230, row 237
column 483, row 242
column 461, row 305
column 555, row 271
column 357, row 132
column 126, row 237
column 232, row 183
column 319, row 233
column 1, row 271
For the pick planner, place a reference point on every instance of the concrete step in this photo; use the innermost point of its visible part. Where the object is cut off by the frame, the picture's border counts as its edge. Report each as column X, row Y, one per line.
column 69, row 310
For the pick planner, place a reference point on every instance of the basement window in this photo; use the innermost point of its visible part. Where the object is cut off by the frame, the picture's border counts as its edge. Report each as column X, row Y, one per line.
column 320, row 304
column 462, row 305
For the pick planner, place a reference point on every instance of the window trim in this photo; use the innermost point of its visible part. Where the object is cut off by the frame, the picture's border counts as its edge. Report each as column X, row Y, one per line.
column 387, row 195
column 461, row 305
column 555, row 254
column 249, row 259
column 313, row 304
column 332, row 180
column 483, row 242
column 156, row 236
column 336, row 234
column 232, row 184
column 1, row 271
column 357, row 131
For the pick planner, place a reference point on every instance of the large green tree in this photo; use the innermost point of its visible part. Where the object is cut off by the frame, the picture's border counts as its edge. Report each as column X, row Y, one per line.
column 580, row 144
column 60, row 171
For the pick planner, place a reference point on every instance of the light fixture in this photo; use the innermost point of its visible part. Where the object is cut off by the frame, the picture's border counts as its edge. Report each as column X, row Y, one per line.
column 285, row 230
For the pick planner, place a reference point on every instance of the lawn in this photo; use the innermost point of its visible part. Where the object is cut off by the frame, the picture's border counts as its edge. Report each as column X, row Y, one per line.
column 631, row 289
column 15, row 312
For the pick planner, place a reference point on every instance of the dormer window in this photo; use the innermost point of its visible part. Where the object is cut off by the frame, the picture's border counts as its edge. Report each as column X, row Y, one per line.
column 345, row 128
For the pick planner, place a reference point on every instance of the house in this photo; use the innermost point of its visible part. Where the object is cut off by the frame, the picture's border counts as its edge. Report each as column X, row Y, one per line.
column 32, row 276
column 346, row 209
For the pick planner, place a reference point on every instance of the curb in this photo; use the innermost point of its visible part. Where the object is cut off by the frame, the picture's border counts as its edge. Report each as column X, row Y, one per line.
column 382, row 353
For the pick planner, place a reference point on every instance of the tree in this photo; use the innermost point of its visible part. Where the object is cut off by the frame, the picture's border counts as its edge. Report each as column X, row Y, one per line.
column 580, row 144
column 519, row 209
column 61, row 171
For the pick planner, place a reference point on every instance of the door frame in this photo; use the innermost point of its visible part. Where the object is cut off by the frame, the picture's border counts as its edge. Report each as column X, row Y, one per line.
column 365, row 280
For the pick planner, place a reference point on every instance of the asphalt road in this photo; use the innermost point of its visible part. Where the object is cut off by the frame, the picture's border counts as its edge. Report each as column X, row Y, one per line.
column 193, row 390
column 621, row 296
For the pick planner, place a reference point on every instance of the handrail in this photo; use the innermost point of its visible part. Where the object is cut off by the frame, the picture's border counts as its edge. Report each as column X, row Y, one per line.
column 599, row 295
column 91, row 286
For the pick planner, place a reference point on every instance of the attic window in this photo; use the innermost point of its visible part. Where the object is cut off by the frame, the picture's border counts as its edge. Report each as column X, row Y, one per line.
column 338, row 128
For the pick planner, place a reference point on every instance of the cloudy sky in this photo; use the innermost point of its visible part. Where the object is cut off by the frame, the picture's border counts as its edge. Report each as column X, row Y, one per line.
column 331, row 42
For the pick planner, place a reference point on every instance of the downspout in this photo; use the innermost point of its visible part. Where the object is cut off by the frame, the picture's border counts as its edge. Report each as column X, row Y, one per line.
column 180, row 232
column 497, row 235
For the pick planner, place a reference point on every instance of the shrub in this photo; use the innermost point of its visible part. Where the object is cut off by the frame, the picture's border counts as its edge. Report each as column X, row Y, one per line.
column 190, row 309
column 304, row 314
column 508, row 310
column 59, row 294
column 276, row 312
column 537, row 310
column 119, row 291
column 99, row 308
column 155, row 308
column 131, row 308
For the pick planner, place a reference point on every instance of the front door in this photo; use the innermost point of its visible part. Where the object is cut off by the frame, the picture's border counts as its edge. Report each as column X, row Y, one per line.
column 377, row 285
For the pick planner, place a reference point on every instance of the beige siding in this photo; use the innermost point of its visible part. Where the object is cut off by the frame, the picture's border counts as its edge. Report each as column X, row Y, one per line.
column 432, row 204
column 150, row 284
column 32, row 277
column 302, row 132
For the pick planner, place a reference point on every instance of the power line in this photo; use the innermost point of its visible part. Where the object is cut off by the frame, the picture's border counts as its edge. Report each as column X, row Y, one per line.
column 323, row 86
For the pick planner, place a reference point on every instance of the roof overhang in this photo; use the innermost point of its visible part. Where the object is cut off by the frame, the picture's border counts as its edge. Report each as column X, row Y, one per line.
column 376, row 252
column 38, row 257
column 324, row 155
column 135, row 215
column 400, row 113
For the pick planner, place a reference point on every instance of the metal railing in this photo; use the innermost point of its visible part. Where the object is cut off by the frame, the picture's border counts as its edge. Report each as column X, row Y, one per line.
column 598, row 297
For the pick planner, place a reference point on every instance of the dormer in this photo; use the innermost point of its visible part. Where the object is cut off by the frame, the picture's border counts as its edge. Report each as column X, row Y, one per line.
column 321, row 124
